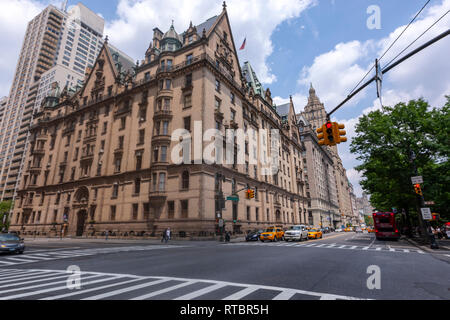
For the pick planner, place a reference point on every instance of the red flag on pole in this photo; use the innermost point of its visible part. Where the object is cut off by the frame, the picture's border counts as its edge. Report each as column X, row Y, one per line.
column 243, row 44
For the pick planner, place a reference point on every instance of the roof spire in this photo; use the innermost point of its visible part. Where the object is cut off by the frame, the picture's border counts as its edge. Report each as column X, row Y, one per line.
column 224, row 6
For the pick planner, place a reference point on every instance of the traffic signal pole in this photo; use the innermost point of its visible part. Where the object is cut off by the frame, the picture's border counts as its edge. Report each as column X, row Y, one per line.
column 425, row 225
column 389, row 68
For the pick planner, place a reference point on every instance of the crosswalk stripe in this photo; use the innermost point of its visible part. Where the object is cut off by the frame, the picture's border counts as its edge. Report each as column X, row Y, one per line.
column 116, row 280
column 379, row 249
column 4, row 273
column 201, row 292
column 76, row 293
column 37, row 256
column 7, row 263
column 13, row 273
column 117, row 292
column 159, row 292
column 40, row 285
column 34, row 281
column 241, row 294
column 26, row 277
column 285, row 295
column 18, row 296
column 23, row 275
column 21, row 260
column 406, row 250
column 327, row 297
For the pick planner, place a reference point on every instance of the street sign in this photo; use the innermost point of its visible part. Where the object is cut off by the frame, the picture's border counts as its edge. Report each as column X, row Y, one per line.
column 233, row 198
column 221, row 223
column 426, row 214
column 417, row 180
column 429, row 203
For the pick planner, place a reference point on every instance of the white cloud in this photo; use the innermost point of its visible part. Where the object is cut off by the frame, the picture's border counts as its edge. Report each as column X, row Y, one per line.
column 253, row 19
column 14, row 18
column 336, row 72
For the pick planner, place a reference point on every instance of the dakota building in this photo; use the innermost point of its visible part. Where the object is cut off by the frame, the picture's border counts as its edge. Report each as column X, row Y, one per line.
column 100, row 156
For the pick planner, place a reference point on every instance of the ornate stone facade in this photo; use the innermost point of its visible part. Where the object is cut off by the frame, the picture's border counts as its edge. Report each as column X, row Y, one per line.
column 101, row 157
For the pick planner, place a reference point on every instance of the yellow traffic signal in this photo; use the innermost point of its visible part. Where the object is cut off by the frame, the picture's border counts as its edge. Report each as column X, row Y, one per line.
column 250, row 194
column 330, row 139
column 418, row 189
column 321, row 135
column 341, row 133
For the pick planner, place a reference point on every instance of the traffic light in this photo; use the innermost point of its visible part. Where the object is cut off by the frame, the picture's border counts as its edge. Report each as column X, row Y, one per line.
column 321, row 135
column 341, row 134
column 250, row 194
column 329, row 134
column 418, row 189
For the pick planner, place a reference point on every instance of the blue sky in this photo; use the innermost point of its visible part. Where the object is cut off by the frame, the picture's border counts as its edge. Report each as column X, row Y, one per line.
column 290, row 43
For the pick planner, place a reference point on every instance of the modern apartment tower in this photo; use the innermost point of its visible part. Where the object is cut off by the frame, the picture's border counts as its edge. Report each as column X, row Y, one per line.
column 58, row 47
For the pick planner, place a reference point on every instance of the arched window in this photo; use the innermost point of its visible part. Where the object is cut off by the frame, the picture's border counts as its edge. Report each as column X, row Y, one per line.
column 185, row 180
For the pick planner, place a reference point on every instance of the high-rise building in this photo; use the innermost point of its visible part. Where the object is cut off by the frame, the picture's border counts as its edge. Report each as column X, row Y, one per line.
column 104, row 158
column 58, row 47
column 316, row 116
column 321, row 192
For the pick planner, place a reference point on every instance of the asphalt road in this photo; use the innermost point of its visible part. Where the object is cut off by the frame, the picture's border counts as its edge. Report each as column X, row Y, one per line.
column 335, row 267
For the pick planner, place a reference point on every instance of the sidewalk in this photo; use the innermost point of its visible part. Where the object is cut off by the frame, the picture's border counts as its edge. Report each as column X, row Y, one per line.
column 154, row 241
column 444, row 244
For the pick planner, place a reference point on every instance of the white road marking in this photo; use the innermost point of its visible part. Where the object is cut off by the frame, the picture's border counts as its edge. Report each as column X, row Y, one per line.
column 201, row 292
column 76, row 293
column 120, row 291
column 285, row 295
column 241, row 294
column 18, row 296
column 159, row 292
column 149, row 282
column 42, row 285
column 64, row 254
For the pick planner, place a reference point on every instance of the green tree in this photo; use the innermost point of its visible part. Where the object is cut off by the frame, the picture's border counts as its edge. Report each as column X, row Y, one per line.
column 384, row 142
column 5, row 207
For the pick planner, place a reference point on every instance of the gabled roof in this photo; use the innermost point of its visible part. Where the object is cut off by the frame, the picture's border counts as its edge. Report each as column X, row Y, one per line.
column 207, row 25
column 127, row 63
column 283, row 110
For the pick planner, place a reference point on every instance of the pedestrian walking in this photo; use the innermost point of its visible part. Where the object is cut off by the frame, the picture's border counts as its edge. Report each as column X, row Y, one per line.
column 439, row 233
column 106, row 235
column 227, row 236
column 164, row 236
column 168, row 234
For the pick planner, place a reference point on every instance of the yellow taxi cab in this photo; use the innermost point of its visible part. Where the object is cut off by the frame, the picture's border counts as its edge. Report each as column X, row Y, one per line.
column 370, row 230
column 315, row 234
column 272, row 234
column 348, row 229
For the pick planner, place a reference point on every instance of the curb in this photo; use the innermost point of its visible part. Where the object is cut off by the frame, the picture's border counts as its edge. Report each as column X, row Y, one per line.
column 427, row 248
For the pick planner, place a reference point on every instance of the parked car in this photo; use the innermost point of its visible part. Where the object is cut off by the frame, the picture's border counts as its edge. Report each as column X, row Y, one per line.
column 11, row 243
column 253, row 235
column 338, row 230
column 272, row 234
column 296, row 233
column 358, row 230
column 315, row 234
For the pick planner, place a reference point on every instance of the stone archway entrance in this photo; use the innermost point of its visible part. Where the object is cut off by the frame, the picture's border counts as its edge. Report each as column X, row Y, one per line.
column 81, row 222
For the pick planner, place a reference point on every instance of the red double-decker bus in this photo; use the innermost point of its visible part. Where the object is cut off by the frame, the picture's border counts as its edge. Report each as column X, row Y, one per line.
column 385, row 226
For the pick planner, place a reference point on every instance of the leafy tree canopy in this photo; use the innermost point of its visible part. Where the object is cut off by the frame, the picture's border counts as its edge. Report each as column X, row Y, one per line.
column 384, row 143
